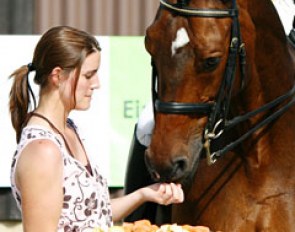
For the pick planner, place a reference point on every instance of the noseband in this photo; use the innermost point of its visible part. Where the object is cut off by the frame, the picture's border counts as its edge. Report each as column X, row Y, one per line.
column 217, row 111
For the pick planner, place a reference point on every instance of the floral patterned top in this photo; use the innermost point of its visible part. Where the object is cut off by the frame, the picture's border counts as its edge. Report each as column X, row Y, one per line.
column 86, row 198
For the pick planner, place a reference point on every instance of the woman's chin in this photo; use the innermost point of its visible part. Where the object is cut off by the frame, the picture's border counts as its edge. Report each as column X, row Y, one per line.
column 83, row 107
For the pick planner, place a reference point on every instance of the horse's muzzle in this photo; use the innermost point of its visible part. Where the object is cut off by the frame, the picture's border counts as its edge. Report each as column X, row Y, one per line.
column 172, row 171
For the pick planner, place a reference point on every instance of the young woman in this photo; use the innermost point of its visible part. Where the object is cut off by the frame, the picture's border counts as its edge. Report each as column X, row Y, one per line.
column 52, row 180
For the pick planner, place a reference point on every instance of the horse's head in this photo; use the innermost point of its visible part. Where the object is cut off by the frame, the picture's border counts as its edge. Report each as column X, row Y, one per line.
column 189, row 44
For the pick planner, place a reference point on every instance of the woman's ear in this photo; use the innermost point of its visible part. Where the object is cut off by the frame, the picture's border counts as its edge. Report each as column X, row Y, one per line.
column 55, row 76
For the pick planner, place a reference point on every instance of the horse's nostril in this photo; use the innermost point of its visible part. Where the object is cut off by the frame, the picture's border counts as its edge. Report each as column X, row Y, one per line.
column 169, row 170
column 179, row 166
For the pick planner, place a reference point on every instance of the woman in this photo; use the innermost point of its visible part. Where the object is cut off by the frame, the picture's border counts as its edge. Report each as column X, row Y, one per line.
column 52, row 180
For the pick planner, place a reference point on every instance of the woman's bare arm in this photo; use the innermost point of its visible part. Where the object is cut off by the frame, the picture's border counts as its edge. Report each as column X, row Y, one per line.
column 39, row 174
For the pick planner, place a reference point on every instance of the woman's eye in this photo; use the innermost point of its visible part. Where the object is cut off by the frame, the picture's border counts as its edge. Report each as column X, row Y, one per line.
column 89, row 75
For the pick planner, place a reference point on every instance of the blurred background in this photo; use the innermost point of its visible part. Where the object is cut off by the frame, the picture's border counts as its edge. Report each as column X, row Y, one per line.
column 98, row 17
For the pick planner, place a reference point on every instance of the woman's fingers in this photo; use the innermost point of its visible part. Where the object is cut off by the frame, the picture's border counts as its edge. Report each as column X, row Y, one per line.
column 165, row 194
column 178, row 195
column 171, row 193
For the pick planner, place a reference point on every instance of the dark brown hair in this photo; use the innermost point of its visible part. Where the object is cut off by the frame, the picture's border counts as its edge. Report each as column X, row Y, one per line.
column 61, row 46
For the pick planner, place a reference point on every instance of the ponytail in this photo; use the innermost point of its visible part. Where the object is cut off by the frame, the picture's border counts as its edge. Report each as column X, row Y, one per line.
column 19, row 100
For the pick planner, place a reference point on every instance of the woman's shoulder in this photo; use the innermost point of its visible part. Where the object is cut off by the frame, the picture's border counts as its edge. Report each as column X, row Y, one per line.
column 40, row 164
column 42, row 149
column 38, row 142
column 40, row 156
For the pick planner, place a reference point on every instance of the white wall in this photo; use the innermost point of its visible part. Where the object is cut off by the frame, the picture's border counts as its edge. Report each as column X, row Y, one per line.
column 13, row 226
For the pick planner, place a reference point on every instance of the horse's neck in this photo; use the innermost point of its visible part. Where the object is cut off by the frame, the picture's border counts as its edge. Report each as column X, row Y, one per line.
column 271, row 72
column 272, row 68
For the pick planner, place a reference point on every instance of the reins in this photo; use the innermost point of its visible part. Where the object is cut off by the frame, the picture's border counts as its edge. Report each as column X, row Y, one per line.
column 238, row 119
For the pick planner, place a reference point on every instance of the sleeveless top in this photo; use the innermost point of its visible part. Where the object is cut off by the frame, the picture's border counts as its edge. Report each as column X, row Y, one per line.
column 86, row 201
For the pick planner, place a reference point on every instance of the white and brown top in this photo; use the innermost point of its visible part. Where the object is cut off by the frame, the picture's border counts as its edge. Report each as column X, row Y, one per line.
column 86, row 202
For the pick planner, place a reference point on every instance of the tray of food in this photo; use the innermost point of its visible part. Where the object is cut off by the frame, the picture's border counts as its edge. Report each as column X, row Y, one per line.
column 146, row 226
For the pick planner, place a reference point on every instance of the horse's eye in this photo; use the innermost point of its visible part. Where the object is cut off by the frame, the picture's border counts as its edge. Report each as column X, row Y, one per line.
column 211, row 63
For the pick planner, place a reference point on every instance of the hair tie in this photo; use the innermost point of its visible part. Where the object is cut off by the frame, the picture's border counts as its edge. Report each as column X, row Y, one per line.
column 31, row 67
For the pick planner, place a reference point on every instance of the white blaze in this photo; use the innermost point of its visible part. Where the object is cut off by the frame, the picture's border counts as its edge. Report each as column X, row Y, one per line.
column 181, row 40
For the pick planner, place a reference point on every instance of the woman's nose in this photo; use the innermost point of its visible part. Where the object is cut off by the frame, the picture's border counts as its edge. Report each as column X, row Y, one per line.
column 96, row 82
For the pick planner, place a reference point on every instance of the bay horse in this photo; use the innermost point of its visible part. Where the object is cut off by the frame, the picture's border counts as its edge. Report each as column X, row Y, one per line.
column 223, row 94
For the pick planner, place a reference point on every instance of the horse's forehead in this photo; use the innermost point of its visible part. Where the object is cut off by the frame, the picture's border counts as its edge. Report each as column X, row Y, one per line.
column 202, row 34
column 181, row 39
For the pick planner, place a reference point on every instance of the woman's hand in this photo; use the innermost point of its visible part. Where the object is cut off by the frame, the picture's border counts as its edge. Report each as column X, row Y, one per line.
column 160, row 193
column 163, row 193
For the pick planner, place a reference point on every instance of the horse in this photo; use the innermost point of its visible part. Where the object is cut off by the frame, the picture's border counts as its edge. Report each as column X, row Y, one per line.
column 223, row 101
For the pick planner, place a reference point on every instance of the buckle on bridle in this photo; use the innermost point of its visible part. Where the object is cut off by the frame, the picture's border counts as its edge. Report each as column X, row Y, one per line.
column 211, row 158
column 212, row 135
column 234, row 42
column 208, row 136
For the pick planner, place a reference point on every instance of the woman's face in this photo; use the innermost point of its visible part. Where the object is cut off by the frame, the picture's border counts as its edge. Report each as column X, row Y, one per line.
column 88, row 81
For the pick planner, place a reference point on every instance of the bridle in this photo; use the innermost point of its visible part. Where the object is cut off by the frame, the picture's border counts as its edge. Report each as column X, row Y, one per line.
column 217, row 111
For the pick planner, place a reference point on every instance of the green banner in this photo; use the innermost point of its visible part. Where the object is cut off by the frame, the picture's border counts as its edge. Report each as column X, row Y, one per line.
column 130, row 81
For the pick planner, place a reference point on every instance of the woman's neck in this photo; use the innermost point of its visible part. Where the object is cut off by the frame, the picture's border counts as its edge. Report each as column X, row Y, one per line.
column 57, row 118
column 54, row 111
